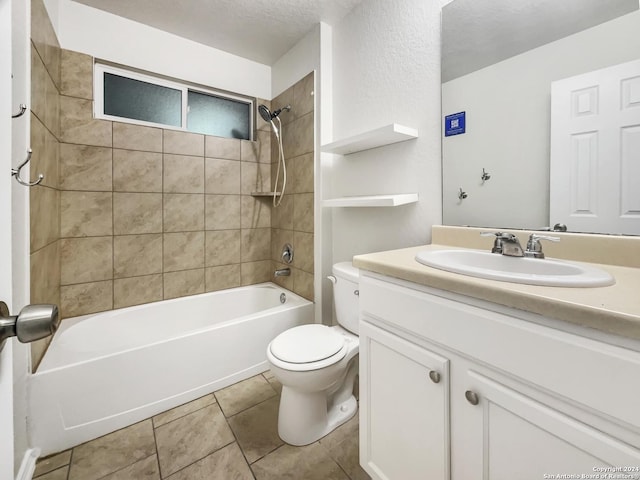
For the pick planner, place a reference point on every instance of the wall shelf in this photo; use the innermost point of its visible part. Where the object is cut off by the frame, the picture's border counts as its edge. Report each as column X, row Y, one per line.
column 372, row 200
column 379, row 137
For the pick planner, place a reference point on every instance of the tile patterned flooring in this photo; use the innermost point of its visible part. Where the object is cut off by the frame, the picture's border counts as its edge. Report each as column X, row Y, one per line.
column 230, row 434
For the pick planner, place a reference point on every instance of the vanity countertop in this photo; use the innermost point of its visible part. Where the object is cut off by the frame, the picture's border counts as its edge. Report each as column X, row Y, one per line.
column 614, row 309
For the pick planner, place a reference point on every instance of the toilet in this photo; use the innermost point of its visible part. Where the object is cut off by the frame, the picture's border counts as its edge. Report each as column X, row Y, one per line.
column 317, row 366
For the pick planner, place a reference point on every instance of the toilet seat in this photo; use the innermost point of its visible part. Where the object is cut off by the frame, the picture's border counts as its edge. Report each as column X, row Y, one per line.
column 307, row 347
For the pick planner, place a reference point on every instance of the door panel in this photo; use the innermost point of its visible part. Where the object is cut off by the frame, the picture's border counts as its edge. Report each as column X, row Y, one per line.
column 595, row 150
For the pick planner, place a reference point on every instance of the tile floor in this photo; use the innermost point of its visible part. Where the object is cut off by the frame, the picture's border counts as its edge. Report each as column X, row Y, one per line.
column 230, row 434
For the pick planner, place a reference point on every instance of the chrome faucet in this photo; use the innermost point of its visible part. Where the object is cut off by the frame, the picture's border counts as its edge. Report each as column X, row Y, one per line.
column 505, row 243
column 282, row 272
column 534, row 249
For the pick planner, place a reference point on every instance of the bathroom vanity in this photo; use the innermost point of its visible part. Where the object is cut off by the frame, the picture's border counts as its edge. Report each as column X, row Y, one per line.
column 527, row 384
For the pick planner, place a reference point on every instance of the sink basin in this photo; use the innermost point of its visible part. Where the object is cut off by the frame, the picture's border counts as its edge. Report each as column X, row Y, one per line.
column 530, row 271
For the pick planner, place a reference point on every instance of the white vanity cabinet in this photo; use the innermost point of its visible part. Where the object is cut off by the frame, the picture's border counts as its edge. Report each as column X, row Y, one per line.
column 517, row 398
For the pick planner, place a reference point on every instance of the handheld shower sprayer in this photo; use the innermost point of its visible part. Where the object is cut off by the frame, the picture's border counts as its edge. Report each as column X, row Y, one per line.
column 268, row 116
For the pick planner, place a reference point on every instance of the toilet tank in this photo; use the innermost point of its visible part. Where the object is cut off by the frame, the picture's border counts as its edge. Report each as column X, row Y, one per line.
column 345, row 295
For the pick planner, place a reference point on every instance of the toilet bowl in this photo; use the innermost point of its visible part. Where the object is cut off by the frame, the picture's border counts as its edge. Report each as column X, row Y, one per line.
column 317, row 366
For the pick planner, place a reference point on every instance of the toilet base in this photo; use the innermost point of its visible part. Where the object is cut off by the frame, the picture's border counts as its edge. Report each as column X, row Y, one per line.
column 303, row 418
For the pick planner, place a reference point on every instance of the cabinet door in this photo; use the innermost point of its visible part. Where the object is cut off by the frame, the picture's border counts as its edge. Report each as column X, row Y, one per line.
column 503, row 434
column 404, row 408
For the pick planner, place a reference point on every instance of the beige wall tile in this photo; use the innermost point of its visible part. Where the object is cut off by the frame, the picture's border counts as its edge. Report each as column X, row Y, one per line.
column 137, row 213
column 223, row 277
column 86, row 259
column 183, row 212
column 86, row 214
column 303, row 212
column 257, row 151
column 45, row 274
column 303, row 96
column 219, row 147
column 38, row 349
column 183, row 251
column 85, row 298
column 44, row 159
column 282, row 215
column 222, row 247
column 256, row 244
column 183, row 174
column 301, row 174
column 76, row 74
column 183, row 143
column 135, row 255
column 255, row 212
column 52, row 106
column 44, row 217
column 303, row 251
column 222, row 176
column 255, row 177
column 303, row 283
column 137, row 171
column 44, row 38
column 300, row 136
column 85, row 168
column 222, row 212
column 137, row 290
column 137, row 137
column 39, row 79
column 183, row 283
column 77, row 124
column 255, row 272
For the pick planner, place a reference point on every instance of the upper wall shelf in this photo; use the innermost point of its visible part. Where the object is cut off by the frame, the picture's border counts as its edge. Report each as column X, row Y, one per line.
column 379, row 137
column 372, row 200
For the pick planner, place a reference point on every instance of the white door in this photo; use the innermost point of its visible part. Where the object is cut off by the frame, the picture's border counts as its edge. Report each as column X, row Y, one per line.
column 6, row 356
column 595, row 151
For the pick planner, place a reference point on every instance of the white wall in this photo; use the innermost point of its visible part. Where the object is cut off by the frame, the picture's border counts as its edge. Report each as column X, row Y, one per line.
column 386, row 68
column 303, row 58
column 116, row 39
column 508, row 111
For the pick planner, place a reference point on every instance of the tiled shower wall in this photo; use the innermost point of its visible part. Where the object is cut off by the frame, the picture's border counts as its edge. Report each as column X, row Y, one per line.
column 139, row 214
column 149, row 214
column 46, row 83
column 292, row 222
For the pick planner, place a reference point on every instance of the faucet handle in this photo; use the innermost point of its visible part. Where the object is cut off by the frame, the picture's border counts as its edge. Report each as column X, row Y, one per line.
column 534, row 248
column 497, row 244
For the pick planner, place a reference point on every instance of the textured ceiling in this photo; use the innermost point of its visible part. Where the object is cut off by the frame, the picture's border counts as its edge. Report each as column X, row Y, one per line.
column 478, row 33
column 260, row 30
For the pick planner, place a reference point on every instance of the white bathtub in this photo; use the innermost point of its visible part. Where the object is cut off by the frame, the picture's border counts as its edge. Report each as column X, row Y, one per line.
column 108, row 370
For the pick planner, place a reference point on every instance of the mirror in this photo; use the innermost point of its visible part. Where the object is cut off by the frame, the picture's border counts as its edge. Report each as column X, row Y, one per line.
column 499, row 60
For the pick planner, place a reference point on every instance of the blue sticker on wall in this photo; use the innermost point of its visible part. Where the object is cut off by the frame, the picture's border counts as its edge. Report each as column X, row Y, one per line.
column 454, row 124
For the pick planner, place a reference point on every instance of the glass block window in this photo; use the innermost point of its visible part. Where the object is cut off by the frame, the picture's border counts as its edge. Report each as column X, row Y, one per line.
column 133, row 97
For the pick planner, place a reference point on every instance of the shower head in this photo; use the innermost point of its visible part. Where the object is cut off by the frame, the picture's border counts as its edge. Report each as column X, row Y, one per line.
column 266, row 114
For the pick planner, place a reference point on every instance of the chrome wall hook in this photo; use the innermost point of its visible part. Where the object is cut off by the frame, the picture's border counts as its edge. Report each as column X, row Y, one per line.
column 485, row 176
column 23, row 108
column 15, row 172
column 462, row 194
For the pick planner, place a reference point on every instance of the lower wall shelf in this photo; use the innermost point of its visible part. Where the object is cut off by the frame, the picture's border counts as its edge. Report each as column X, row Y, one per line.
column 372, row 200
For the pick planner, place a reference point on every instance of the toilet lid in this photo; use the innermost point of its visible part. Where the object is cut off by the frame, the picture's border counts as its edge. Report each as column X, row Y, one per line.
column 307, row 344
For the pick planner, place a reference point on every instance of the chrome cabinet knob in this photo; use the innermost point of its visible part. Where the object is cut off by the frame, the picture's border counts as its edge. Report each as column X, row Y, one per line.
column 434, row 376
column 472, row 397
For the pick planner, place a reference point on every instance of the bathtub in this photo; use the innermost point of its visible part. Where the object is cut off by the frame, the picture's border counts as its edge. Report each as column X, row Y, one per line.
column 108, row 370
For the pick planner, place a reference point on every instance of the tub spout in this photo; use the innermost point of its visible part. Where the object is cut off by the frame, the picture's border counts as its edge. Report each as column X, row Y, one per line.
column 283, row 272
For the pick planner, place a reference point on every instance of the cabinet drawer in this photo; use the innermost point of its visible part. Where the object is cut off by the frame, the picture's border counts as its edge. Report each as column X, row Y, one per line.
column 591, row 374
